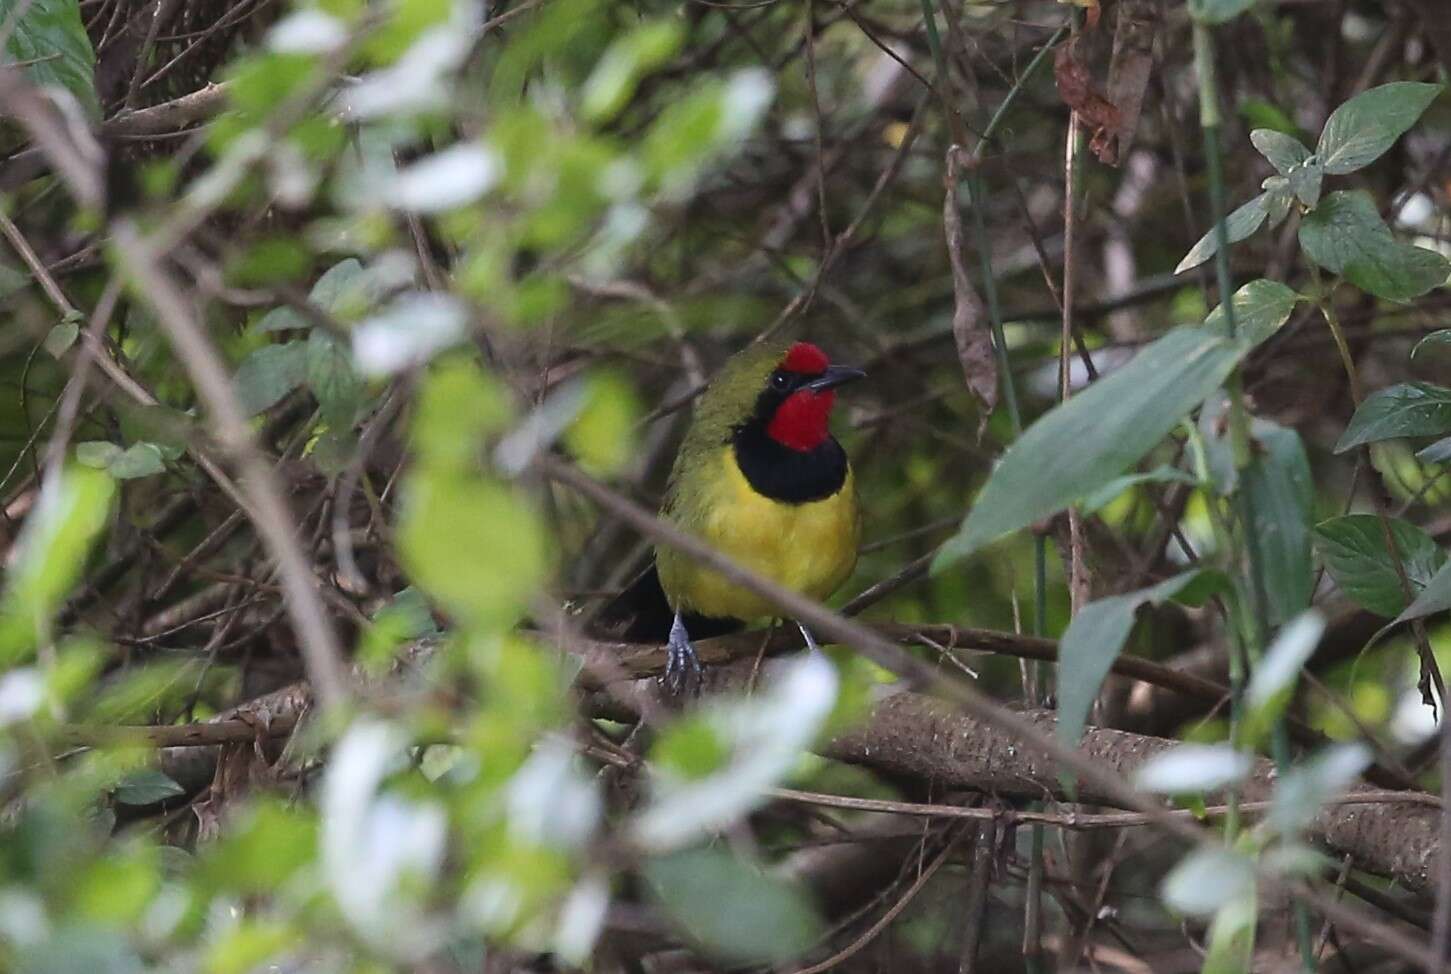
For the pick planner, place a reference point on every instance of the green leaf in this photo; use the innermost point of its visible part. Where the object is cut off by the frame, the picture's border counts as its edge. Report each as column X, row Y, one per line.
column 1438, row 452
column 1277, row 671
column 146, row 787
column 50, row 554
column 1279, row 198
column 628, row 59
column 1279, row 482
column 1345, row 235
column 1110, row 491
column 346, row 291
column 332, row 379
column 1097, row 635
column 733, row 910
column 1237, row 226
column 1305, row 182
column 1435, row 597
column 96, row 454
column 137, row 460
column 1301, row 791
column 269, row 374
column 51, row 42
column 472, row 544
column 60, row 338
column 1284, row 152
column 1231, row 939
column 1095, row 436
column 1260, row 308
column 1353, row 549
column 1441, row 338
column 1361, row 130
column 1408, row 409
column 1217, row 11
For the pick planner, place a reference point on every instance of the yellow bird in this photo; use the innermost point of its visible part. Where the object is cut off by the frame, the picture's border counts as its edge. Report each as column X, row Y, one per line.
column 759, row 477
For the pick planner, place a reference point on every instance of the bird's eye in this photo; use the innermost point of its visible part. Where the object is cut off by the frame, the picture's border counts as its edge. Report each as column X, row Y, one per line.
column 780, row 382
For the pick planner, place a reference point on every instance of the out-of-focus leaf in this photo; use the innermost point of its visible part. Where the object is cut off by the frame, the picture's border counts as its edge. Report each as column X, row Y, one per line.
column 1217, row 11
column 1093, row 437
column 137, row 460
column 1206, row 879
column 1301, row 791
column 1109, row 492
column 249, row 944
column 765, row 734
column 1363, row 128
column 77, row 949
column 1260, row 308
column 146, row 787
column 50, row 554
column 260, row 849
column 1279, row 483
column 269, row 374
column 474, row 545
column 733, row 910
column 1189, row 768
column 1097, row 635
column 96, row 454
column 1345, row 235
column 602, row 434
column 1240, row 224
column 50, row 41
column 1231, row 939
column 1408, row 409
column 628, row 59
column 1281, row 664
column 410, row 331
column 451, row 178
column 1354, row 551
column 60, row 338
column 1441, row 338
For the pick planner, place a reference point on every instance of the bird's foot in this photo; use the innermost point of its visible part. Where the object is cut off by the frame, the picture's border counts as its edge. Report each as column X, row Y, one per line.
column 682, row 667
column 811, row 646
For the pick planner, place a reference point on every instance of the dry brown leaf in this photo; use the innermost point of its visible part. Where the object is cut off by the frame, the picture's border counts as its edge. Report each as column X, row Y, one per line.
column 1095, row 112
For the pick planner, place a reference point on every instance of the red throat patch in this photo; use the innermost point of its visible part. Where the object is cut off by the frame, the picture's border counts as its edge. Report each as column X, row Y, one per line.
column 805, row 358
column 800, row 422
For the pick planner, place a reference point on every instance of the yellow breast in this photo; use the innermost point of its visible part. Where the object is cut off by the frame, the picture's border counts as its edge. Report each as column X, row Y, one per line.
column 810, row 548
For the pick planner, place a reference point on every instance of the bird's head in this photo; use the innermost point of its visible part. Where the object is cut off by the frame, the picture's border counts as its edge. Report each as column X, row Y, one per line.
column 795, row 404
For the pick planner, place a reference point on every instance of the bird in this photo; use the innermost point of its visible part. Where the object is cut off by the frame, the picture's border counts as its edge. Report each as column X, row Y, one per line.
column 760, row 478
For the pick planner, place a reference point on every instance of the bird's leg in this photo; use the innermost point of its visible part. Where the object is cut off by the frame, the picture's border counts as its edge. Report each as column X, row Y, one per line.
column 810, row 642
column 682, row 666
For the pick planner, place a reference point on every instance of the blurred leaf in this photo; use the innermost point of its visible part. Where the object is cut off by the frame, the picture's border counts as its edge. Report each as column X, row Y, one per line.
column 1207, row 879
column 136, row 694
column 472, row 544
column 448, row 179
column 1280, row 667
column 117, row 888
column 1095, row 436
column 169, row 430
column 50, row 41
column 137, row 460
column 77, row 949
column 146, row 786
column 410, row 331
column 405, row 617
column 627, row 60
column 271, row 260
column 1231, row 939
column 1301, row 791
column 732, row 910
column 96, row 454
column 263, row 846
column 59, row 339
column 1354, row 551
column 1240, row 224
column 1345, row 235
column 1364, row 127
column 766, row 734
column 1260, row 308
column 1187, row 768
column 710, row 118
column 330, row 377
column 1441, row 338
column 602, row 434
column 1280, row 485
column 1408, row 409
column 268, row 375
column 249, row 944
column 690, row 748
column 458, row 405
column 1097, row 635
column 50, row 554
column 1283, row 151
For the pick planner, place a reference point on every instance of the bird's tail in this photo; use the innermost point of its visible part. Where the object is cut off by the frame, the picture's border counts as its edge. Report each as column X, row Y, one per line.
column 642, row 614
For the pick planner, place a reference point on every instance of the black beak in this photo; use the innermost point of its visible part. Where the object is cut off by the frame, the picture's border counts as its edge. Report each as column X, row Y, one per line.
column 835, row 375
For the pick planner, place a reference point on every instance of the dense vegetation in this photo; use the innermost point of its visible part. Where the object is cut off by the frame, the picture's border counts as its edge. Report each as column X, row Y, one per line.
column 347, row 346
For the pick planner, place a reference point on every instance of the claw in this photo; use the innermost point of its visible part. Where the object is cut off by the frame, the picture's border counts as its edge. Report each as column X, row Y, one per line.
column 682, row 667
